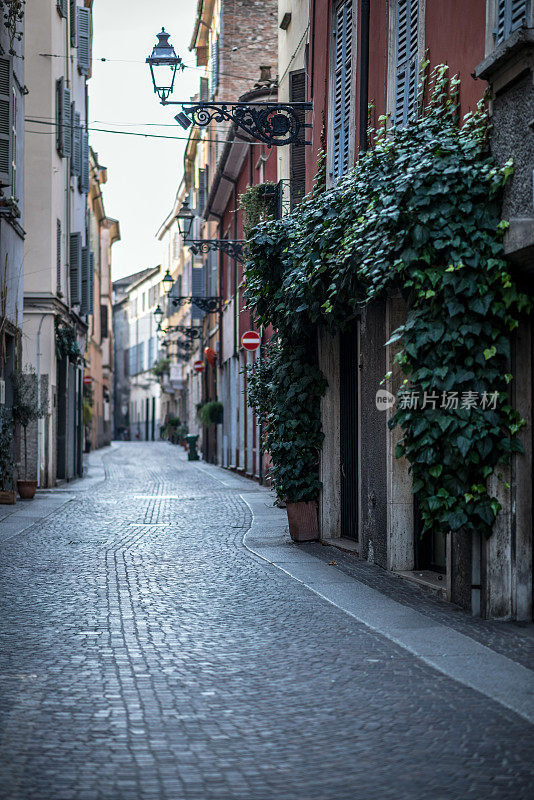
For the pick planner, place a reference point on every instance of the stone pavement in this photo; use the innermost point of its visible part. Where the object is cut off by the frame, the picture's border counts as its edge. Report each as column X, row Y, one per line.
column 146, row 653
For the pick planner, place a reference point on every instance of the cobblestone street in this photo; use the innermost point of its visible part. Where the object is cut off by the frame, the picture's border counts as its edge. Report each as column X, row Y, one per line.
column 147, row 654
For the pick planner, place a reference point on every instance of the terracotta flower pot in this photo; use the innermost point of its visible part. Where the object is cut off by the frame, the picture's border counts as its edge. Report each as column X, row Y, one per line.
column 8, row 497
column 303, row 521
column 27, row 489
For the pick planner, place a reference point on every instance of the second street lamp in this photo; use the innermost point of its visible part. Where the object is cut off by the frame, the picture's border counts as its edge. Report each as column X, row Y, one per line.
column 168, row 282
column 185, row 219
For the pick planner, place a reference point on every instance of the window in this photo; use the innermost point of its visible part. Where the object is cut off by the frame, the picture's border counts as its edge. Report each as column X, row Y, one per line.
column 406, row 78
column 297, row 170
column 63, row 119
column 204, row 89
column 343, row 49
column 103, row 321
column 511, row 15
column 75, row 268
column 175, row 246
column 83, row 16
column 197, row 289
column 6, row 123
column 63, row 7
column 58, row 256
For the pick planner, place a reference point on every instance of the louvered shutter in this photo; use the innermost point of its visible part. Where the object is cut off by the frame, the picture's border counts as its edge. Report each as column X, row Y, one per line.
column 197, row 289
column 103, row 321
column 73, row 21
column 214, row 75
column 63, row 7
column 407, row 60
column 84, row 39
column 76, row 161
column 5, row 122
column 58, row 255
column 202, row 189
column 86, row 266
column 84, row 176
column 91, row 282
column 75, row 268
column 297, row 94
column 66, row 124
column 510, row 16
column 343, row 60
column 204, row 89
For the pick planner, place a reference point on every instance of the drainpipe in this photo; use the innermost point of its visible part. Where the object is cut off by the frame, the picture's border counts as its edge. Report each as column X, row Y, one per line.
column 364, row 73
column 39, row 400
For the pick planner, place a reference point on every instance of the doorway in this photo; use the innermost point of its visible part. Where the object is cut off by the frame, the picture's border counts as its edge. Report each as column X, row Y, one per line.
column 349, row 359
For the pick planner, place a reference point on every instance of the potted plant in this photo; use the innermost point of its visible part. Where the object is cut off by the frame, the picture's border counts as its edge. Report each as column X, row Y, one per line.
column 211, row 413
column 26, row 408
column 7, row 464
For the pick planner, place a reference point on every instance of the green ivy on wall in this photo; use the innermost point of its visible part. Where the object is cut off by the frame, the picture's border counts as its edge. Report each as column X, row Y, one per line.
column 419, row 216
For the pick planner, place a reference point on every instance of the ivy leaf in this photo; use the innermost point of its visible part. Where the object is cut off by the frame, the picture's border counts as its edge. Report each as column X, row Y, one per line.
column 489, row 352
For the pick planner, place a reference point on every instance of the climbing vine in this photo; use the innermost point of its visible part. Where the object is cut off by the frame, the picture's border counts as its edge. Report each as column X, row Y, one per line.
column 13, row 14
column 419, row 216
column 258, row 204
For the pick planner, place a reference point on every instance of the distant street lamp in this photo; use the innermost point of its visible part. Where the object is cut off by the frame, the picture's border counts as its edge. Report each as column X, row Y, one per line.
column 168, row 282
column 185, row 219
column 164, row 63
column 158, row 315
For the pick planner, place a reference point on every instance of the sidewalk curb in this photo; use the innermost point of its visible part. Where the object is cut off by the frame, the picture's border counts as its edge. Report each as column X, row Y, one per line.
column 451, row 653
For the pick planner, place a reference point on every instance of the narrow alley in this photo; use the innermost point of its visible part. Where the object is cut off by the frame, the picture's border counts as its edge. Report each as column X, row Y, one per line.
column 150, row 650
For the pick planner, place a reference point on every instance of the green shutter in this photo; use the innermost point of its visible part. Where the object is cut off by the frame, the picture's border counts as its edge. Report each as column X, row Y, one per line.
column 75, row 268
column 511, row 15
column 62, row 7
column 5, row 122
column 84, row 40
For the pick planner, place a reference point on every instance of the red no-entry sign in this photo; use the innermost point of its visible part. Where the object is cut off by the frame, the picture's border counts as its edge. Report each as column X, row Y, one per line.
column 198, row 366
column 251, row 340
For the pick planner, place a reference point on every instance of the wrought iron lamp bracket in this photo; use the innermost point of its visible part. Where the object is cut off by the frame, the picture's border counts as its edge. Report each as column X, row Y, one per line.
column 209, row 305
column 234, row 248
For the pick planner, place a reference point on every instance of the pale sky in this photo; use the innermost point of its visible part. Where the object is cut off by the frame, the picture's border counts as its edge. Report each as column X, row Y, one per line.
column 143, row 174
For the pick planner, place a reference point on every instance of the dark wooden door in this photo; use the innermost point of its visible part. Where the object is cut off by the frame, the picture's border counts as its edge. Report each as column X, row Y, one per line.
column 349, row 425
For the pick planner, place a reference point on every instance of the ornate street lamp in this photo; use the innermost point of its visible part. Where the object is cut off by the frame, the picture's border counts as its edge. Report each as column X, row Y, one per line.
column 272, row 123
column 164, row 63
column 168, row 282
column 158, row 315
column 185, row 219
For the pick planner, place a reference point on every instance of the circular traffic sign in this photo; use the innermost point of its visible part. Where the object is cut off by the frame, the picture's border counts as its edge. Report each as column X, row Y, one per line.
column 250, row 340
column 198, row 366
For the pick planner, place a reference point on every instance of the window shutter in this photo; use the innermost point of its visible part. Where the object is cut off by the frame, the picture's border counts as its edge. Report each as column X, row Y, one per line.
column 103, row 321
column 63, row 7
column 75, row 268
column 66, row 124
column 76, row 160
column 214, row 75
column 510, row 16
column 204, row 89
column 85, row 307
column 91, row 282
column 407, row 60
column 297, row 94
column 58, row 255
column 84, row 177
column 84, row 40
column 5, row 123
column 342, row 89
column 197, row 289
column 202, row 189
column 73, row 23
